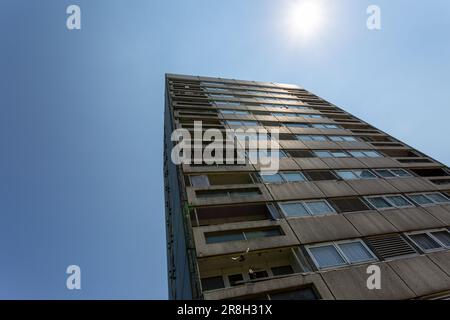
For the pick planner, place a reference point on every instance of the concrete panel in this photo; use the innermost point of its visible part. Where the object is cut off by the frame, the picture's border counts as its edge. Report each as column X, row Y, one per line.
column 203, row 249
column 371, row 187
column 343, row 163
column 370, row 223
column 442, row 259
column 356, row 145
column 351, row 283
column 285, row 283
column 421, row 275
column 295, row 191
column 335, row 188
column 317, row 145
column 214, row 200
column 284, row 164
column 380, row 162
column 292, row 144
column 322, row 228
column 410, row 219
column 311, row 163
column 413, row 184
column 223, row 168
column 441, row 212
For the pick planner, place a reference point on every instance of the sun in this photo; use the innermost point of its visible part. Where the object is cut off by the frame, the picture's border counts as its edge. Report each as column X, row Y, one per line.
column 305, row 18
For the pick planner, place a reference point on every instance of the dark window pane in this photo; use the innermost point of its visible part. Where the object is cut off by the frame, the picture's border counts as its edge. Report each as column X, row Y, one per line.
column 424, row 241
column 302, row 294
column 379, row 203
column 224, row 237
column 235, row 278
column 385, row 173
column 253, row 234
column 348, row 205
column 258, row 274
column 278, row 271
column 300, row 154
column 320, row 175
column 442, row 236
column 212, row 283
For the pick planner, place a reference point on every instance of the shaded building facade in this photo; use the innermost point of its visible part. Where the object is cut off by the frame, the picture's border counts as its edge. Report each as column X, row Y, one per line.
column 347, row 196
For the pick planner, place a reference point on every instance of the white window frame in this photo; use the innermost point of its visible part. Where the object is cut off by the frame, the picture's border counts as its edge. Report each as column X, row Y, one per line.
column 234, row 112
column 357, row 176
column 298, row 136
column 284, row 180
column 429, row 233
column 308, row 210
column 395, row 175
column 425, row 194
column 384, row 196
column 336, row 244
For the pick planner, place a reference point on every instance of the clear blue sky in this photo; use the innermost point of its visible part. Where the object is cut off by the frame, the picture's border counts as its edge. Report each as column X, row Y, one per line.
column 81, row 116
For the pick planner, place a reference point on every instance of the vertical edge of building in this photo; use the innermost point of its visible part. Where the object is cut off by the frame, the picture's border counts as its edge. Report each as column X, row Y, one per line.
column 182, row 277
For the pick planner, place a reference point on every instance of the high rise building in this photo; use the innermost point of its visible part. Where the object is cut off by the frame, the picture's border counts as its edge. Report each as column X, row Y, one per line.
column 353, row 213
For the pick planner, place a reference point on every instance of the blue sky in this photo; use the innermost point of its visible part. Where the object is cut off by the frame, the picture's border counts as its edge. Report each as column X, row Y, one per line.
column 81, row 116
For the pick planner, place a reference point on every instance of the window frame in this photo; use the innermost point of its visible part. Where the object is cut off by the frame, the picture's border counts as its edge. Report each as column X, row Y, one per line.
column 435, row 239
column 390, row 170
column 393, row 205
column 283, row 177
column 336, row 244
column 433, row 203
column 358, row 177
column 303, row 203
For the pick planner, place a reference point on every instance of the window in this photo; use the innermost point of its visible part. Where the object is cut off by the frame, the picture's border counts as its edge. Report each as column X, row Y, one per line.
column 212, row 283
column 294, row 209
column 300, row 294
column 342, row 138
column 258, row 275
column 393, row 173
column 297, row 125
column 348, row 205
column 300, row 153
column 326, row 256
column 240, row 192
column 331, row 154
column 303, row 137
column 241, row 123
column 283, row 270
column 293, row 176
column 438, row 197
column 306, row 208
column 399, row 201
column 385, row 202
column 340, row 253
column 431, row 240
column 318, row 207
column 256, row 155
column 199, row 181
column 283, row 177
column 420, row 199
column 273, row 178
column 365, row 154
column 227, row 103
column 319, row 175
column 227, row 236
column 379, row 203
column 325, row 126
column 355, row 174
column 234, row 279
column 425, row 199
column 241, row 112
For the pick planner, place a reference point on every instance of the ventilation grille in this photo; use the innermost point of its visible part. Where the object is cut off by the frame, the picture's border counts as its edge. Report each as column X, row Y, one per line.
column 389, row 246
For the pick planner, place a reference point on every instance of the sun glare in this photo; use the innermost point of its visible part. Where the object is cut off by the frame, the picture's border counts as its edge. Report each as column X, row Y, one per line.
column 305, row 18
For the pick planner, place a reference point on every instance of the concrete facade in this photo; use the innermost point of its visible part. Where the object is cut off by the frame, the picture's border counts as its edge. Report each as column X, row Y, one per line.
column 306, row 239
